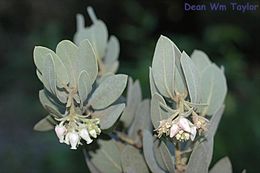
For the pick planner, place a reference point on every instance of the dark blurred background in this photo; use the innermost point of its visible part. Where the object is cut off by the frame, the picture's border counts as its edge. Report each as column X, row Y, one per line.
column 230, row 38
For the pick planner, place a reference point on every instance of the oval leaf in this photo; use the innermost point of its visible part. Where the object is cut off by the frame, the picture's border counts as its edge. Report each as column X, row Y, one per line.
column 49, row 74
column 84, row 86
column 108, row 91
column 157, row 114
column 163, row 66
column 87, row 60
column 107, row 157
column 200, row 157
column 200, row 59
column 141, row 121
column 134, row 97
column 223, row 166
column 163, row 156
column 45, row 124
column 148, row 152
column 109, row 116
column 213, row 90
column 132, row 158
column 112, row 51
column 191, row 76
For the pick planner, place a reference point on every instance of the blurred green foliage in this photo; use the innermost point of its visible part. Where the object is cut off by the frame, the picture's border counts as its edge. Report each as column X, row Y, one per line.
column 231, row 39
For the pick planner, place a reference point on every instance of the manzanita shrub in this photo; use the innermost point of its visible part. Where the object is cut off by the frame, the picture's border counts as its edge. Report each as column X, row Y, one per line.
column 171, row 133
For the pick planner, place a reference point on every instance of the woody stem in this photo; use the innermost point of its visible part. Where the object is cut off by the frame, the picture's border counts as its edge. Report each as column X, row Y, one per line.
column 178, row 159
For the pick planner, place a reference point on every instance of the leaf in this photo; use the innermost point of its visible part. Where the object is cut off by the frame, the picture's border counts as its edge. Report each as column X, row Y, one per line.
column 223, row 166
column 68, row 53
column 92, row 168
column 200, row 157
column 200, row 59
column 39, row 75
column 163, row 66
column 112, row 51
column 214, row 89
column 61, row 73
column 111, row 68
column 163, row 156
column 148, row 152
column 49, row 75
column 80, row 22
column 99, row 38
column 45, row 124
column 108, row 91
column 87, row 60
column 141, row 121
column 132, row 158
column 97, row 34
column 214, row 122
column 180, row 84
column 109, row 116
column 153, row 88
column 191, row 76
column 39, row 54
column 49, row 105
column 133, row 100
column 157, row 114
column 84, row 86
column 107, row 157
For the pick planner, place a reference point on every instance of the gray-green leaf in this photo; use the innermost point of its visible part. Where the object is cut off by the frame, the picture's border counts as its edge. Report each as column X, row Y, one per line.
column 84, row 85
column 109, row 116
column 213, row 89
column 50, row 105
column 200, row 157
column 141, row 121
column 191, row 76
column 148, row 152
column 200, row 59
column 163, row 66
column 214, row 122
column 163, row 156
column 157, row 114
column 45, row 124
column 49, row 74
column 107, row 157
column 132, row 158
column 134, row 97
column 112, row 51
column 223, row 166
column 108, row 91
column 87, row 60
column 153, row 88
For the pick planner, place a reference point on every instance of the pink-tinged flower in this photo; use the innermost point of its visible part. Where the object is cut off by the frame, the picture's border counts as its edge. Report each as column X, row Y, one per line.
column 73, row 139
column 60, row 132
column 183, row 129
column 184, row 124
column 83, row 133
column 174, row 130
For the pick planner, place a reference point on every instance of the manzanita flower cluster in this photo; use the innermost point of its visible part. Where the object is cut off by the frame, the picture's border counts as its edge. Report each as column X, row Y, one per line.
column 82, row 95
column 75, row 93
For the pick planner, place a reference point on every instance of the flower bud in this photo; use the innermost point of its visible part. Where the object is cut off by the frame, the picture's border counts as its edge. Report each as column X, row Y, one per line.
column 174, row 130
column 85, row 135
column 60, row 132
column 73, row 138
column 93, row 133
column 184, row 124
